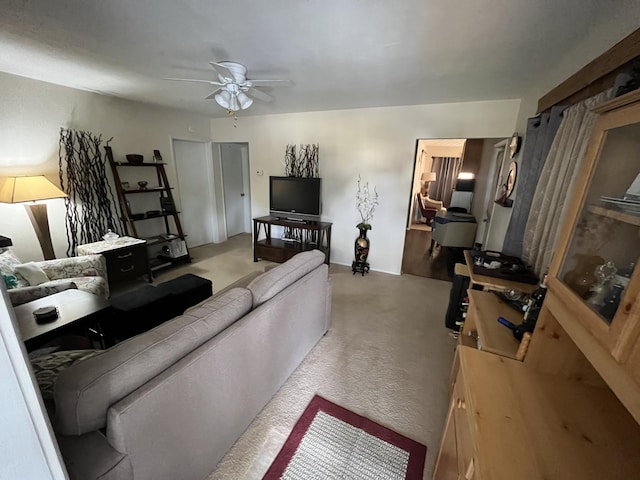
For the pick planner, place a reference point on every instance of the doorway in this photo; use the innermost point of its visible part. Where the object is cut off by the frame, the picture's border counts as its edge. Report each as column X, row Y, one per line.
column 434, row 158
column 213, row 190
column 476, row 154
column 494, row 174
column 234, row 159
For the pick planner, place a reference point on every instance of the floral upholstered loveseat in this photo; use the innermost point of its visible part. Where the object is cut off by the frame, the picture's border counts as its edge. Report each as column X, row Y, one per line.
column 29, row 281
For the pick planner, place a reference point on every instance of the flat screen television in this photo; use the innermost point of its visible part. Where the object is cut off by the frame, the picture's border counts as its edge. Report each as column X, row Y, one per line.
column 295, row 198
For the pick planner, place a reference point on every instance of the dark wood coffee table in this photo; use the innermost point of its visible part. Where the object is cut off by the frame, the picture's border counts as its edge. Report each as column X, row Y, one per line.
column 75, row 307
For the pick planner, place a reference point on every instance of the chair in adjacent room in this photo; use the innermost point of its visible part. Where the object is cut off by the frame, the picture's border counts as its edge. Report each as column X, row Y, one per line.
column 428, row 208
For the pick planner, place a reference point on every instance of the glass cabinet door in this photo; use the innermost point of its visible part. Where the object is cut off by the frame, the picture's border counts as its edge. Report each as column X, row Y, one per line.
column 604, row 247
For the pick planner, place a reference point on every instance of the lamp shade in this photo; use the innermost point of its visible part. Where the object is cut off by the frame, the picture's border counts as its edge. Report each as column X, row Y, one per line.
column 245, row 101
column 28, row 189
column 223, row 99
column 428, row 177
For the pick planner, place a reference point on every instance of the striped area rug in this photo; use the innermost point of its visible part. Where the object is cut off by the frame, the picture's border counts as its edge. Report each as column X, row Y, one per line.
column 331, row 442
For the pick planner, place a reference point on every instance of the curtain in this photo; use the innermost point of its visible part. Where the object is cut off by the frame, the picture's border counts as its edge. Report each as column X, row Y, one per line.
column 557, row 179
column 541, row 130
column 446, row 169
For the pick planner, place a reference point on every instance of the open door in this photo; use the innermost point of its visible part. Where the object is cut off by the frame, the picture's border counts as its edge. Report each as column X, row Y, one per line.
column 235, row 178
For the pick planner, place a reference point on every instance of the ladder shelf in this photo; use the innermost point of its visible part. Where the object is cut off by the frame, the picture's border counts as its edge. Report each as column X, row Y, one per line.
column 172, row 240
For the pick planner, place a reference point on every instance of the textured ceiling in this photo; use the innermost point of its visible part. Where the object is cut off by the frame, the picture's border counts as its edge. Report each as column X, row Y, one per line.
column 337, row 53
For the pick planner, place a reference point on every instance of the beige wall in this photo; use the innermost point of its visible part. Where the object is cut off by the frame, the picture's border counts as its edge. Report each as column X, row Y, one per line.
column 377, row 143
column 31, row 115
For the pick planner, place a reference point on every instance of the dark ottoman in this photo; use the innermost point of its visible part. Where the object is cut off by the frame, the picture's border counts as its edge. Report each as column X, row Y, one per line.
column 186, row 291
column 137, row 311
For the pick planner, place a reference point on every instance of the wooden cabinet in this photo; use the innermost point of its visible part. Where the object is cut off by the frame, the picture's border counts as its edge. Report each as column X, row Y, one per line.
column 571, row 409
column 594, row 283
column 127, row 263
column 508, row 421
column 126, row 258
column 482, row 327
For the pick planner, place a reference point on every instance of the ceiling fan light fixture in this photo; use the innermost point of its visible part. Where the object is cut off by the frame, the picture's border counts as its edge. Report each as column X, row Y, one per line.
column 233, row 103
column 245, row 101
column 223, row 99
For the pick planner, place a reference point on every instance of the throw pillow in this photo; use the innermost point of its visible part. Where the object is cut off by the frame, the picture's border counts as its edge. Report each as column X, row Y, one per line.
column 11, row 281
column 32, row 273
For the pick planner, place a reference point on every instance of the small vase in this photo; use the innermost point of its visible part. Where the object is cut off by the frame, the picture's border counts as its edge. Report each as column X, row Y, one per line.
column 361, row 251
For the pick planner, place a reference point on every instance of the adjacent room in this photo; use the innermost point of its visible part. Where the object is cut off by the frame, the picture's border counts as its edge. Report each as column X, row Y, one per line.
column 390, row 240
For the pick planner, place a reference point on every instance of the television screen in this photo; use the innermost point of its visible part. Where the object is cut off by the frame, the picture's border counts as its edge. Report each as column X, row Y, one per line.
column 295, row 198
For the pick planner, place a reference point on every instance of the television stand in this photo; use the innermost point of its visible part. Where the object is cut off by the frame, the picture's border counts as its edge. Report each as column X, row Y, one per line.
column 313, row 235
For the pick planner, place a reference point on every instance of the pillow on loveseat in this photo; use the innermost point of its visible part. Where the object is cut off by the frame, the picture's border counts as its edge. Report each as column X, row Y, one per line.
column 8, row 263
column 32, row 273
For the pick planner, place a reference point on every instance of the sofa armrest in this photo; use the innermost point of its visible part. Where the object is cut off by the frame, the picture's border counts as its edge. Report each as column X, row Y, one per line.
column 81, row 266
column 91, row 457
column 21, row 295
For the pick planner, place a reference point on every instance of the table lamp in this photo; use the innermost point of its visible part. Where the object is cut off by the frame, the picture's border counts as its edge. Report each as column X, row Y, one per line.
column 32, row 189
column 426, row 178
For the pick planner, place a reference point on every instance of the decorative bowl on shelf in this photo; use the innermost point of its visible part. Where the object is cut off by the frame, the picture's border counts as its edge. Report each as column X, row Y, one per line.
column 143, row 184
column 134, row 158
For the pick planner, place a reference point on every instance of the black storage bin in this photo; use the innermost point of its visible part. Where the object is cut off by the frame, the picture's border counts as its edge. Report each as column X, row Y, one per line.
column 186, row 291
column 137, row 311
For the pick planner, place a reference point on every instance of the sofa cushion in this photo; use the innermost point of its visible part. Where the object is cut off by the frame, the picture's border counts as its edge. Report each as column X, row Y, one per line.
column 277, row 279
column 8, row 262
column 84, row 392
column 32, row 273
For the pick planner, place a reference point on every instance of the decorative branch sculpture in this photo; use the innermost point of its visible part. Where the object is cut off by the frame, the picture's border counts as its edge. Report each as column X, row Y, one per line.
column 305, row 164
column 90, row 203
column 366, row 203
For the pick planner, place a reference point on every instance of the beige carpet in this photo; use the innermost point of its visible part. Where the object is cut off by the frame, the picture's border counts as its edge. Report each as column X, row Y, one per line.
column 387, row 357
column 222, row 263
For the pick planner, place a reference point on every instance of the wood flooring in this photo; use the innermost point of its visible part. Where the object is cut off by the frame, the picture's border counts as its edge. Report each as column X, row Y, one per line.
column 417, row 260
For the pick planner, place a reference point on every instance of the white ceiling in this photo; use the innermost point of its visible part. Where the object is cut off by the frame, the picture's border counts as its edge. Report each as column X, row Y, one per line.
column 337, row 53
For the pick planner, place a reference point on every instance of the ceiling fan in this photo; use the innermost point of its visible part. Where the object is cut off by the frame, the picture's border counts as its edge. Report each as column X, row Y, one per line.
column 233, row 86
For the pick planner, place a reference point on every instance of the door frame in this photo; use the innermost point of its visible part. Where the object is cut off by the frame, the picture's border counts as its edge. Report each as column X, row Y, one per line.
column 493, row 182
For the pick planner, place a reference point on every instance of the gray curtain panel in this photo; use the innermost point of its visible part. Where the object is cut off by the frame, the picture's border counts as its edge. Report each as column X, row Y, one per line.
column 541, row 130
column 557, row 179
column 447, row 169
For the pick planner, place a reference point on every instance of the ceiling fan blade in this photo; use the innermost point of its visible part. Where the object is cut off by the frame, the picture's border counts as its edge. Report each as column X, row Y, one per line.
column 213, row 94
column 211, row 82
column 223, row 70
column 269, row 83
column 259, row 95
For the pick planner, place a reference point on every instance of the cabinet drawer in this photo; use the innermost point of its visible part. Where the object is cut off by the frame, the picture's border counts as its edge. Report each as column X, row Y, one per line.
column 126, row 263
column 464, row 442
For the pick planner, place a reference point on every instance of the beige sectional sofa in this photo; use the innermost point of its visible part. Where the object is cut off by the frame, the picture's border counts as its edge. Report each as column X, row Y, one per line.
column 169, row 403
